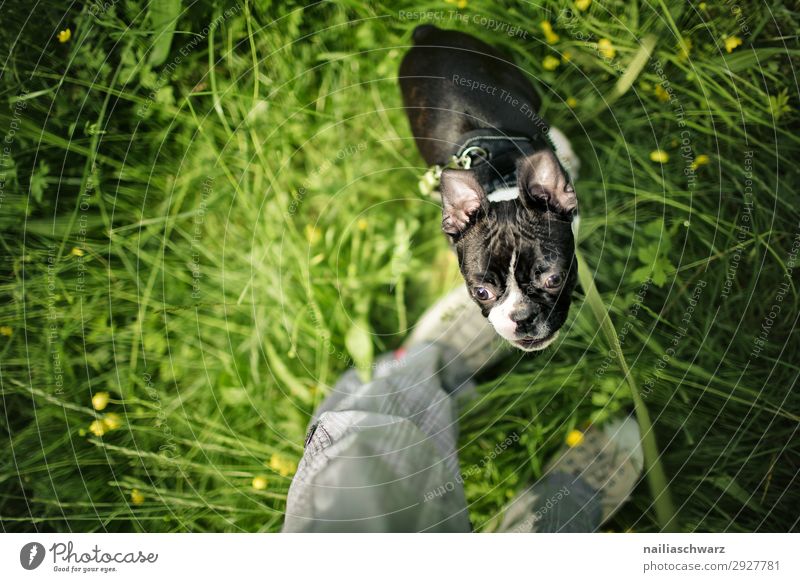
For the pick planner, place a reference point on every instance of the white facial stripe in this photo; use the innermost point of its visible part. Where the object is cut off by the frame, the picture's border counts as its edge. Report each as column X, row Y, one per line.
column 502, row 194
column 500, row 314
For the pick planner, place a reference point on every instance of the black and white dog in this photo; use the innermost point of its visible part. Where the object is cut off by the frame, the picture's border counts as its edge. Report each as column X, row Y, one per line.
column 510, row 215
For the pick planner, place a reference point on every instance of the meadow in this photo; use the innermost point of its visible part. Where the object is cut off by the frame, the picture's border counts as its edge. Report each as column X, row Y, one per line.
column 210, row 210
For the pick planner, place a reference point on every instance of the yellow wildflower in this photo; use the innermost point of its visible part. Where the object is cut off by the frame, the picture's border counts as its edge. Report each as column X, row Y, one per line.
column 64, row 35
column 550, row 63
column 732, row 42
column 605, row 48
column 582, row 4
column 458, row 3
column 574, row 438
column 100, row 400
column 259, row 482
column 661, row 94
column 109, row 422
column 659, row 156
column 313, row 234
column 76, row 252
column 6, row 330
column 547, row 28
column 566, row 56
column 700, row 160
column 97, row 428
column 362, row 224
column 684, row 47
column 136, row 497
column 112, row 421
column 572, row 102
column 283, row 466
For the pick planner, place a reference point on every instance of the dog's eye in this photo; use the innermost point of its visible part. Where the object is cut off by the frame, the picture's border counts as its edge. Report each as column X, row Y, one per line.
column 554, row 281
column 483, row 294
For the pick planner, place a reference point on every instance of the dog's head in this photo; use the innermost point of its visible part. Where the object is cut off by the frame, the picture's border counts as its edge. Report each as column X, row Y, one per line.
column 517, row 256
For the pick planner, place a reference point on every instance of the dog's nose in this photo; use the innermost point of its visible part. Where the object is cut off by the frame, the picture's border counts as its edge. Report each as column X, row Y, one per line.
column 523, row 312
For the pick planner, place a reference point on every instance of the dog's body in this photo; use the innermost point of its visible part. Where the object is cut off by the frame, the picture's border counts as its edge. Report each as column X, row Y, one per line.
column 510, row 215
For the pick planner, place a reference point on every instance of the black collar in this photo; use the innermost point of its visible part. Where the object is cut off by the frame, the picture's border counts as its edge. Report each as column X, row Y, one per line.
column 493, row 155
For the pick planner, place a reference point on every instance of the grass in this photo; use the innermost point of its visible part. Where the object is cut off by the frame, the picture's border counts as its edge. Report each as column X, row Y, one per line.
column 213, row 232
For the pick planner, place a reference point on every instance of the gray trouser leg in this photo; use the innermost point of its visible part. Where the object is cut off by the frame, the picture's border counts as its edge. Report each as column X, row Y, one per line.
column 381, row 456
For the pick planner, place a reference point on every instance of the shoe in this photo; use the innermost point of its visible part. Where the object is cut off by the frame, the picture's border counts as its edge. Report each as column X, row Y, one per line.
column 457, row 324
column 584, row 485
column 608, row 459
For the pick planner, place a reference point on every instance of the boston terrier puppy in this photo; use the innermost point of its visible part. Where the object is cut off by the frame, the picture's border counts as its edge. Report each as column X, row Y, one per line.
column 508, row 203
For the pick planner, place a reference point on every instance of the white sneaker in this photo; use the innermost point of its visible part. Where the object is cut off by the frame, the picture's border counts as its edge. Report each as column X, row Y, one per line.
column 456, row 321
column 584, row 485
column 609, row 459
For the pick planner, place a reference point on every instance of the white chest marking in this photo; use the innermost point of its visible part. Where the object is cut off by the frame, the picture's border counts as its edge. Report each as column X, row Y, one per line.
column 503, row 194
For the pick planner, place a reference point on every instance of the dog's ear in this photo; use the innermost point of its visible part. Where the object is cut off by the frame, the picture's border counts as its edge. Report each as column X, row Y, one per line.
column 543, row 181
column 462, row 198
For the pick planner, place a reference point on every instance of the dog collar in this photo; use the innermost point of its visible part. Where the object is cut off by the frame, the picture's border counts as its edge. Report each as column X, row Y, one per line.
column 492, row 155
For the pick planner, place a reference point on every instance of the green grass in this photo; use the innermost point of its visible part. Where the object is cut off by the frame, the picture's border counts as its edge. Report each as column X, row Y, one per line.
column 246, row 205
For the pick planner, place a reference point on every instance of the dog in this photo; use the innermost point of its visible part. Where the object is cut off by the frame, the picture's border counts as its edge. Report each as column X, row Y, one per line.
column 509, row 207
